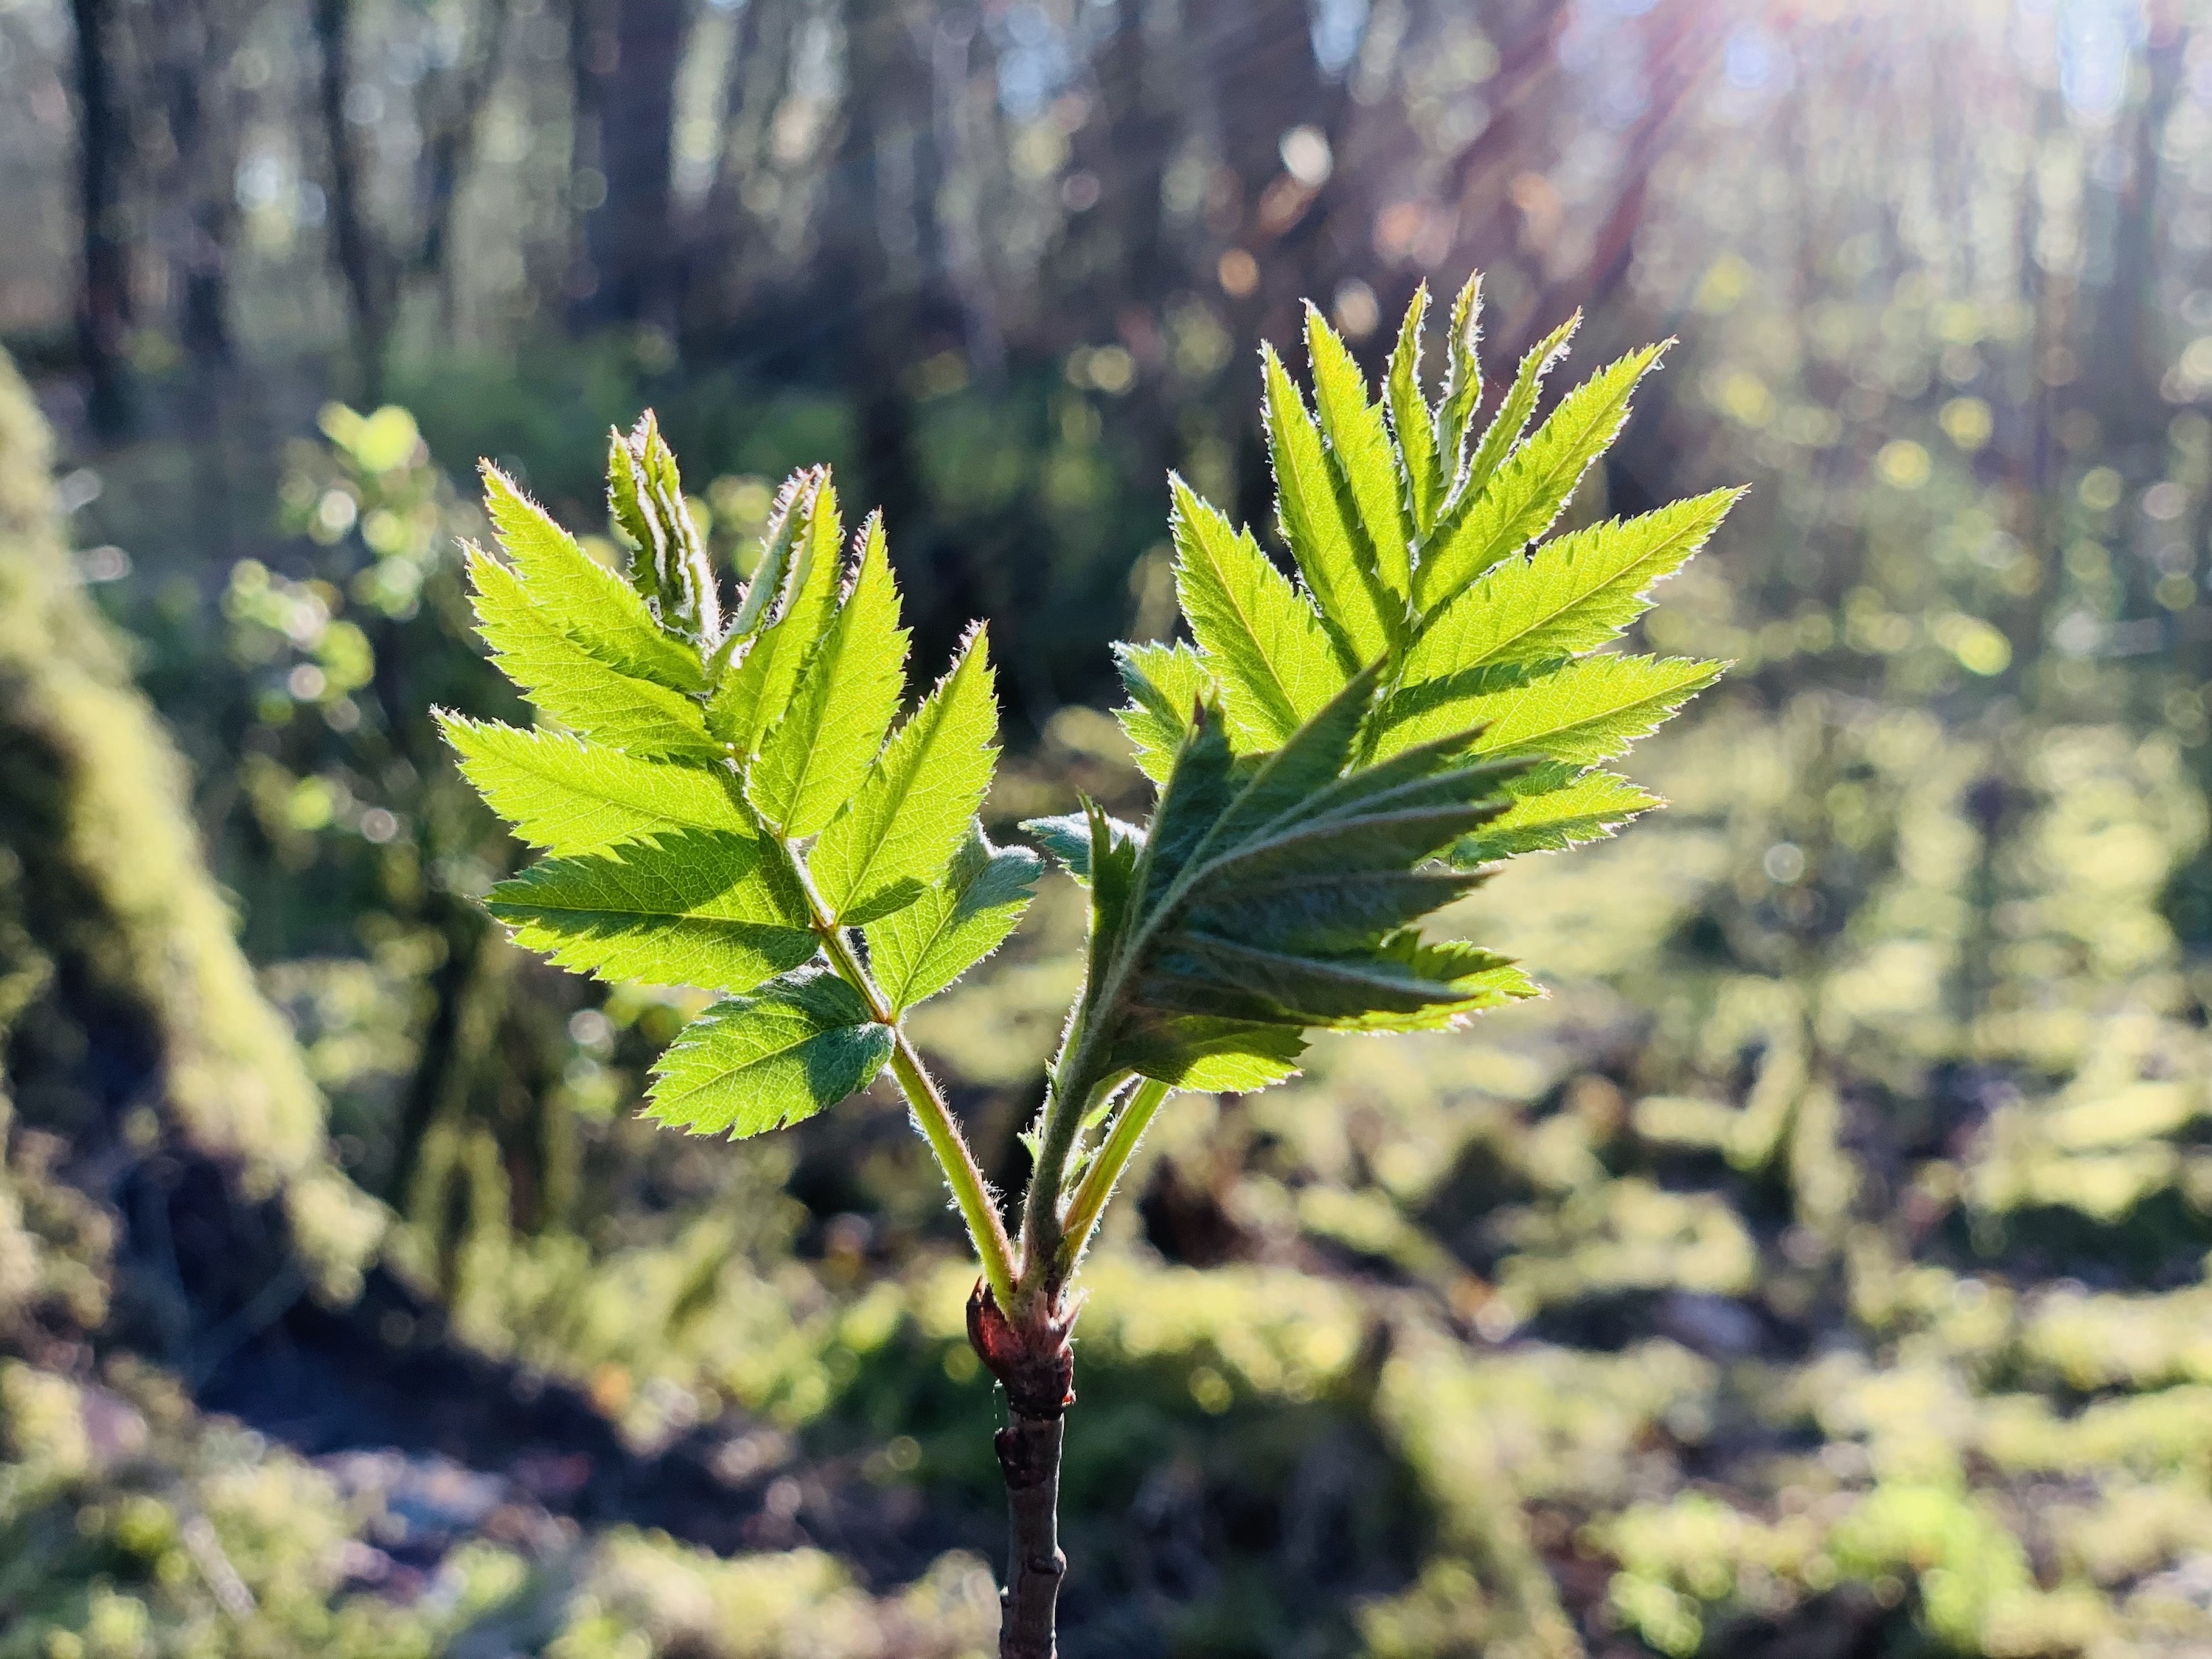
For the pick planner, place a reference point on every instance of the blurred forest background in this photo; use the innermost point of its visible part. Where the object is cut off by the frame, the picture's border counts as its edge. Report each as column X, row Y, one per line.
column 1820, row 1271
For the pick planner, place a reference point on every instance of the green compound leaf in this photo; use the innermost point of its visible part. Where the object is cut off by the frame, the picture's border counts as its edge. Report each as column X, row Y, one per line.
column 798, row 515
column 705, row 907
column 813, row 762
column 1548, row 815
column 625, row 507
column 1335, row 763
column 1323, row 528
column 1198, row 1051
column 1462, row 394
column 1277, row 895
column 895, row 837
column 601, row 611
column 671, row 567
column 1068, row 839
column 1527, row 492
column 1589, row 711
column 753, row 694
column 569, row 684
column 1479, row 979
column 1412, row 427
column 1311, row 912
column 956, row 924
column 1573, row 594
column 1361, row 461
column 1262, row 640
column 1166, row 685
column 1510, row 421
column 1112, row 872
column 568, row 797
column 1280, row 784
column 1378, row 991
column 750, row 1064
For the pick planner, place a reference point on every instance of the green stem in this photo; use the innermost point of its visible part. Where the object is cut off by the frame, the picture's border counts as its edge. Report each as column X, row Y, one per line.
column 970, row 1192
column 1098, row 1182
column 1071, row 1088
column 961, row 1174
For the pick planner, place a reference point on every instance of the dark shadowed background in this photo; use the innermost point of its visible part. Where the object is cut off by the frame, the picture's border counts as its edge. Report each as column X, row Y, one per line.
column 1820, row 1271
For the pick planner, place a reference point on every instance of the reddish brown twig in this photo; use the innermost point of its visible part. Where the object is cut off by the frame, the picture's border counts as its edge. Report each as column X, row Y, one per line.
column 1035, row 1366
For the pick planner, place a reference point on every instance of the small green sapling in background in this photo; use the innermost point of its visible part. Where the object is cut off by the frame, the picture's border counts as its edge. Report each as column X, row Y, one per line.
column 728, row 796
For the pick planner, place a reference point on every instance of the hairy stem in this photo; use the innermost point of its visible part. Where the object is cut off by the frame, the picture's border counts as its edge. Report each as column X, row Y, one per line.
column 970, row 1192
column 1067, row 1103
column 962, row 1173
column 1098, row 1182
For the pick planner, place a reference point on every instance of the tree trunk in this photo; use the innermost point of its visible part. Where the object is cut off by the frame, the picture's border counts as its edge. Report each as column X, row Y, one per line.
column 718, row 275
column 877, row 275
column 103, row 309
column 625, row 54
column 360, row 266
column 192, row 55
column 450, row 113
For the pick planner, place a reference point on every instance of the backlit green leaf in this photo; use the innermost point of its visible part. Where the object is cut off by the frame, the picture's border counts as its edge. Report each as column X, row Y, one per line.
column 1197, row 1051
column 569, row 797
column 1588, row 807
column 646, row 493
column 594, row 605
column 570, row 685
column 1166, row 685
column 1361, row 460
column 1412, row 426
column 750, row 1064
column 1590, row 710
column 1322, row 528
column 800, row 516
column 918, row 952
column 1478, row 979
column 1462, row 382
column 1266, row 648
column 705, row 907
column 626, row 509
column 754, row 692
column 1510, row 421
column 895, row 837
column 813, row 762
column 1571, row 595
column 1527, row 492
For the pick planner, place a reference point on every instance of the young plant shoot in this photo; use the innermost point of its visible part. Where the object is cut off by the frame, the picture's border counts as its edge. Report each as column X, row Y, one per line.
column 728, row 797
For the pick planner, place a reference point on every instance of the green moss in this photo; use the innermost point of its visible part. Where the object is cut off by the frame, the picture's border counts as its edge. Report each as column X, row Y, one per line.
column 110, row 891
